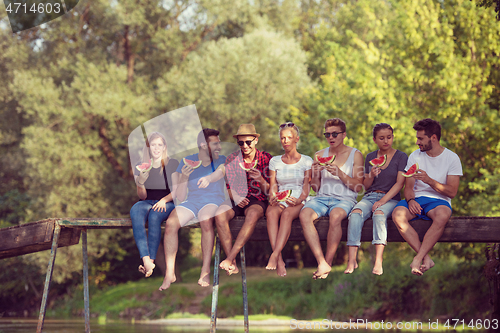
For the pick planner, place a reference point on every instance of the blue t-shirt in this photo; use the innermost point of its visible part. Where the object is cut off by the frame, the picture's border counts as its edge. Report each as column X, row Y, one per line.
column 214, row 190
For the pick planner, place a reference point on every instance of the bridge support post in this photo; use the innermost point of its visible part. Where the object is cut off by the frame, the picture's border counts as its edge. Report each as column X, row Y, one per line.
column 48, row 277
column 215, row 289
column 86, row 280
column 244, row 287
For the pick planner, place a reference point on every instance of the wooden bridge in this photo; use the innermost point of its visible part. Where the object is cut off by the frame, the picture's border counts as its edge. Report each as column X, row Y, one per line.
column 58, row 232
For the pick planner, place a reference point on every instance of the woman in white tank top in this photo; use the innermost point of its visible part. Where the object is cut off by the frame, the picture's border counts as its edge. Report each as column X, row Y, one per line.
column 288, row 172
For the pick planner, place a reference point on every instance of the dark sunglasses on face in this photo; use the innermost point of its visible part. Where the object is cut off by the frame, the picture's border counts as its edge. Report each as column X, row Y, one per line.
column 288, row 124
column 248, row 142
column 334, row 134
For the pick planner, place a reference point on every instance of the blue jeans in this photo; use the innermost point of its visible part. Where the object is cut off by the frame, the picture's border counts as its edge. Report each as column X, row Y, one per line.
column 356, row 220
column 141, row 212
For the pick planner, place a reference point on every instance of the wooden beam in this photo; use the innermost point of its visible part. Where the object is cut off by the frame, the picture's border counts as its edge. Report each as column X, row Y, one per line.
column 459, row 229
column 34, row 237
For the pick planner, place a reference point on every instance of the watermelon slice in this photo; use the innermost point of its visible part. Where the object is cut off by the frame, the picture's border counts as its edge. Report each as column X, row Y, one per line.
column 193, row 164
column 379, row 161
column 283, row 195
column 247, row 166
column 324, row 160
column 411, row 171
column 145, row 167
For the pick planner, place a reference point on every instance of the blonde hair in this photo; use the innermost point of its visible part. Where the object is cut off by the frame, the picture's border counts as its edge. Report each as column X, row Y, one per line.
column 146, row 151
column 290, row 125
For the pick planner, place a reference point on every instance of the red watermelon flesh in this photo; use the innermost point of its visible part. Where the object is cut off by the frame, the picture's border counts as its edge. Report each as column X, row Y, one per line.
column 324, row 160
column 411, row 171
column 247, row 166
column 283, row 195
column 145, row 167
column 193, row 164
column 379, row 161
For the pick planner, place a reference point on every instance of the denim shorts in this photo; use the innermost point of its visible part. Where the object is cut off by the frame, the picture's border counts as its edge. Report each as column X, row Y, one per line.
column 323, row 206
column 197, row 204
column 427, row 204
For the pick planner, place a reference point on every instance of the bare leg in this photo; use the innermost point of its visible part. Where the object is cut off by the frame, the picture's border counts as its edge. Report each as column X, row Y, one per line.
column 307, row 216
column 401, row 216
column 273, row 214
column 334, row 233
column 379, row 252
column 352, row 262
column 206, row 217
column 287, row 217
column 252, row 214
column 179, row 216
column 379, row 223
column 440, row 216
column 222, row 217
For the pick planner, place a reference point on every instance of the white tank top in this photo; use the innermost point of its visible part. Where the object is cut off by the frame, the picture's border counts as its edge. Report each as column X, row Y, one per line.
column 332, row 186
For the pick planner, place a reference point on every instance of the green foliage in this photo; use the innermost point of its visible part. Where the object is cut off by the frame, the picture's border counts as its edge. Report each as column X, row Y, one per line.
column 240, row 80
column 403, row 61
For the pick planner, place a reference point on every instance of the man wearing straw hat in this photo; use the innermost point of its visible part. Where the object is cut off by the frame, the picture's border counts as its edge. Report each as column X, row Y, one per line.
column 248, row 185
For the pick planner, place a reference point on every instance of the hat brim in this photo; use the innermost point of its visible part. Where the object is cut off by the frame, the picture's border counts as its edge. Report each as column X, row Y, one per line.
column 245, row 134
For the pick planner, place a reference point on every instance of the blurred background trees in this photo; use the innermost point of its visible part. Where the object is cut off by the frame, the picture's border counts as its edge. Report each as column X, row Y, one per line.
column 73, row 90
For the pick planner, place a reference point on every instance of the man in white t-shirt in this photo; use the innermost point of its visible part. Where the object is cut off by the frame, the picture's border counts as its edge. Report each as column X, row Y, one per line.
column 428, row 192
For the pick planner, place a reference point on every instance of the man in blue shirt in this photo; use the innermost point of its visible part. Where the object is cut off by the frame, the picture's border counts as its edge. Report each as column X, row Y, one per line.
column 201, row 196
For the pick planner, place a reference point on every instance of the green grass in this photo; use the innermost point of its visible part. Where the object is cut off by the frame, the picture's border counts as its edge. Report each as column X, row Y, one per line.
column 452, row 289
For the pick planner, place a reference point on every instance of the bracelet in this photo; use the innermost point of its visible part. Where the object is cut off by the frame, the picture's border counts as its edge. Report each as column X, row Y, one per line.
column 140, row 183
column 408, row 200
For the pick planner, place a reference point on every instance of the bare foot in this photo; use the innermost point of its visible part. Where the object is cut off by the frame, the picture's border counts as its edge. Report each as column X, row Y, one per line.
column 351, row 266
column 148, row 268
column 273, row 262
column 233, row 270
column 281, row 268
column 167, row 281
column 204, row 280
column 229, row 267
column 322, row 271
column 415, row 267
column 427, row 264
column 377, row 268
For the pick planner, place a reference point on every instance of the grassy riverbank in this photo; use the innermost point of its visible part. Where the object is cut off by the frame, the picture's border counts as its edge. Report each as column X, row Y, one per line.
column 452, row 289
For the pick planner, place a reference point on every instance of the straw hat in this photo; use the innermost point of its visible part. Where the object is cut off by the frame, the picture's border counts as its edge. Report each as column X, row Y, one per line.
column 246, row 129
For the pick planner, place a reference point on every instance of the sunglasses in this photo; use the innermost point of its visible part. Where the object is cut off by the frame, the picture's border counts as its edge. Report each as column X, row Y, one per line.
column 248, row 142
column 288, row 124
column 334, row 134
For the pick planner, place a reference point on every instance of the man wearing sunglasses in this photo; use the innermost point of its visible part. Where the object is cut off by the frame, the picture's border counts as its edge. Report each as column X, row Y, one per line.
column 337, row 185
column 247, row 190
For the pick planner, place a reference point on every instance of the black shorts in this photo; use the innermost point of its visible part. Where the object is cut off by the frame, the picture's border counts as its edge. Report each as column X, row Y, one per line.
column 238, row 211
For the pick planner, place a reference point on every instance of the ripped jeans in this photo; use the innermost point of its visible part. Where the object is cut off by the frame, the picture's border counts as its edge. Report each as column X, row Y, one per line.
column 356, row 220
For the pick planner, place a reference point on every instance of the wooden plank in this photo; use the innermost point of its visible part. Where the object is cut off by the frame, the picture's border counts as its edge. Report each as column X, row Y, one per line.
column 458, row 229
column 34, row 237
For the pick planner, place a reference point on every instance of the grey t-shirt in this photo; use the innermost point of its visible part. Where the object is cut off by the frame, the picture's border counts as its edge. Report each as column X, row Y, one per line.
column 388, row 176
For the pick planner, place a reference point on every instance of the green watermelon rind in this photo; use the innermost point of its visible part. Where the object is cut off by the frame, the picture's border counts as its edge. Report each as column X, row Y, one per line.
column 242, row 165
column 406, row 174
column 379, row 165
column 288, row 194
column 145, row 170
column 324, row 160
column 191, row 163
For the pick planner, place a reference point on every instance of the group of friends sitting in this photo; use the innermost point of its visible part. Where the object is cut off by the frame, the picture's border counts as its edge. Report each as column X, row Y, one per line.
column 253, row 178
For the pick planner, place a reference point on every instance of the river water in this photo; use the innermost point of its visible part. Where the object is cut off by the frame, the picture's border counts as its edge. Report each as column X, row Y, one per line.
column 23, row 325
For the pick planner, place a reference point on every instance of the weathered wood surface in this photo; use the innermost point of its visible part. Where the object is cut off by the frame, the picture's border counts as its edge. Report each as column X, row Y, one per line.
column 37, row 236
column 459, row 229
column 34, row 237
